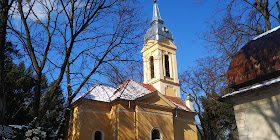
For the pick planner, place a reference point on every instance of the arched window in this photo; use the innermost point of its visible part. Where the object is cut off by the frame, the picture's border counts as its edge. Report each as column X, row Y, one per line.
column 152, row 67
column 166, row 64
column 97, row 135
column 155, row 134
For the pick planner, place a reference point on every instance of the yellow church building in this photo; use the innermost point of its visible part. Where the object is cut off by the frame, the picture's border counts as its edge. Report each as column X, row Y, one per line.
column 152, row 110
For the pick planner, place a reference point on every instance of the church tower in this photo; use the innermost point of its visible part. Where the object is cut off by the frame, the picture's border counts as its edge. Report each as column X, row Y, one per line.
column 159, row 57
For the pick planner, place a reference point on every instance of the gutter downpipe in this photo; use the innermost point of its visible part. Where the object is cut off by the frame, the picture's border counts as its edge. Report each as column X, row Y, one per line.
column 135, row 124
column 129, row 106
column 176, row 112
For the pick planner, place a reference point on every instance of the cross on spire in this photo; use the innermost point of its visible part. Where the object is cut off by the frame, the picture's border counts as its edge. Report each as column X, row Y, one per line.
column 155, row 1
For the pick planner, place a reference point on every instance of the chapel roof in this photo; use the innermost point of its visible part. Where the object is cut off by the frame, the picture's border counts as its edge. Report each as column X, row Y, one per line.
column 128, row 90
column 256, row 61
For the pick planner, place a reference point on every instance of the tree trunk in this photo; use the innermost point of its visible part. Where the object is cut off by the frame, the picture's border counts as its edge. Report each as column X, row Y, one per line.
column 67, row 121
column 4, row 8
column 37, row 95
column 266, row 16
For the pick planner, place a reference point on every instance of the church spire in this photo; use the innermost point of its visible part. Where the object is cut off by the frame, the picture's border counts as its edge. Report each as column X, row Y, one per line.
column 159, row 57
column 156, row 15
column 158, row 31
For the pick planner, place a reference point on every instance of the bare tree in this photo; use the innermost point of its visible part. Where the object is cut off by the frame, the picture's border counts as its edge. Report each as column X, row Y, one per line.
column 204, row 82
column 117, row 73
column 234, row 24
column 72, row 39
column 5, row 6
column 238, row 21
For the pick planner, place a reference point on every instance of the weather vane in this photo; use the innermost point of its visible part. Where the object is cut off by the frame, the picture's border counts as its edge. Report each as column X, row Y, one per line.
column 155, row 1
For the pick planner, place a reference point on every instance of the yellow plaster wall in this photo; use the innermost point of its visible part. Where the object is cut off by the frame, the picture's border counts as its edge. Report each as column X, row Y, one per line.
column 116, row 121
column 170, row 91
column 148, row 118
column 124, row 119
column 155, row 99
column 90, row 122
column 184, row 126
column 87, row 119
column 150, row 50
column 74, row 125
column 184, row 130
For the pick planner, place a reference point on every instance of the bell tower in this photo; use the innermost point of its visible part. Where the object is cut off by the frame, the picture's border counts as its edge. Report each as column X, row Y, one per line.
column 159, row 57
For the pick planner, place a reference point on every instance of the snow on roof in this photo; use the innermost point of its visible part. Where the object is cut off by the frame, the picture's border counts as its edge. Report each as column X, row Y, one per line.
column 100, row 93
column 132, row 90
column 178, row 103
column 253, row 87
column 129, row 90
column 267, row 32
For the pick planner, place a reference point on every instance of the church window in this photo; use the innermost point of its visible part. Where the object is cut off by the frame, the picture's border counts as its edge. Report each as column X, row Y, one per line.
column 152, row 67
column 98, row 135
column 166, row 64
column 155, row 134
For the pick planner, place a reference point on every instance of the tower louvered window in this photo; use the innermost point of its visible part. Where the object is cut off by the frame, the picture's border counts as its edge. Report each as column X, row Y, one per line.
column 166, row 64
column 152, row 67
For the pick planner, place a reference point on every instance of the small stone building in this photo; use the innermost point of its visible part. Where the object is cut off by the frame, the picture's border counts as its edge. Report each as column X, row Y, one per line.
column 152, row 110
column 254, row 73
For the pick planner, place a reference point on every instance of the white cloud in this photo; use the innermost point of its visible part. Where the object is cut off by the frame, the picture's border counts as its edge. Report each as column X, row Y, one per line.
column 39, row 9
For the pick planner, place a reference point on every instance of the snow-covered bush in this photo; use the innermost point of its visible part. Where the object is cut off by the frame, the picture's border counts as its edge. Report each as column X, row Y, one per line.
column 33, row 131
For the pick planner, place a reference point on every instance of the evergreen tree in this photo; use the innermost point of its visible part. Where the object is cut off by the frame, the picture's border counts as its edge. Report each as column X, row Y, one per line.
column 54, row 113
column 20, row 83
column 218, row 118
column 19, row 87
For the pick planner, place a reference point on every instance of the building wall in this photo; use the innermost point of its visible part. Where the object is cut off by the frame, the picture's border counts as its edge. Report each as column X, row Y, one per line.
column 124, row 115
column 158, row 49
column 89, row 117
column 149, row 118
column 184, row 126
column 119, row 120
column 258, row 115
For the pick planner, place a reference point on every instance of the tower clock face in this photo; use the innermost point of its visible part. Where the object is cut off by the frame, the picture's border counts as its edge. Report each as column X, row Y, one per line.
column 164, row 29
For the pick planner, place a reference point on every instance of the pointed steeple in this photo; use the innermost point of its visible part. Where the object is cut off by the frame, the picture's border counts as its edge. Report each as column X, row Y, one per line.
column 159, row 57
column 156, row 15
column 158, row 31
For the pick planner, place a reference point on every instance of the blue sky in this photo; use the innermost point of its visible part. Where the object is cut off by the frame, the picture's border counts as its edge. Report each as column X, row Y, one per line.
column 187, row 20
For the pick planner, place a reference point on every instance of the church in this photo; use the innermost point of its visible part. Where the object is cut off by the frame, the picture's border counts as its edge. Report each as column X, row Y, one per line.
column 152, row 110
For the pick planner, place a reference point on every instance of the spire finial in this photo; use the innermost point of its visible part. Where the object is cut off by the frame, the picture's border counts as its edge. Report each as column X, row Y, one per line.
column 156, row 15
column 155, row 1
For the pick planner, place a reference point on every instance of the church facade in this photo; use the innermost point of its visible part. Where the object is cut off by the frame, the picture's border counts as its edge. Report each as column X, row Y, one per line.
column 152, row 110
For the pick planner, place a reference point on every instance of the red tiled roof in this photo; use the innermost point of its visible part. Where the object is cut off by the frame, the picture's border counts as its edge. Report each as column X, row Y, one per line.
column 177, row 102
column 147, row 86
column 258, row 59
